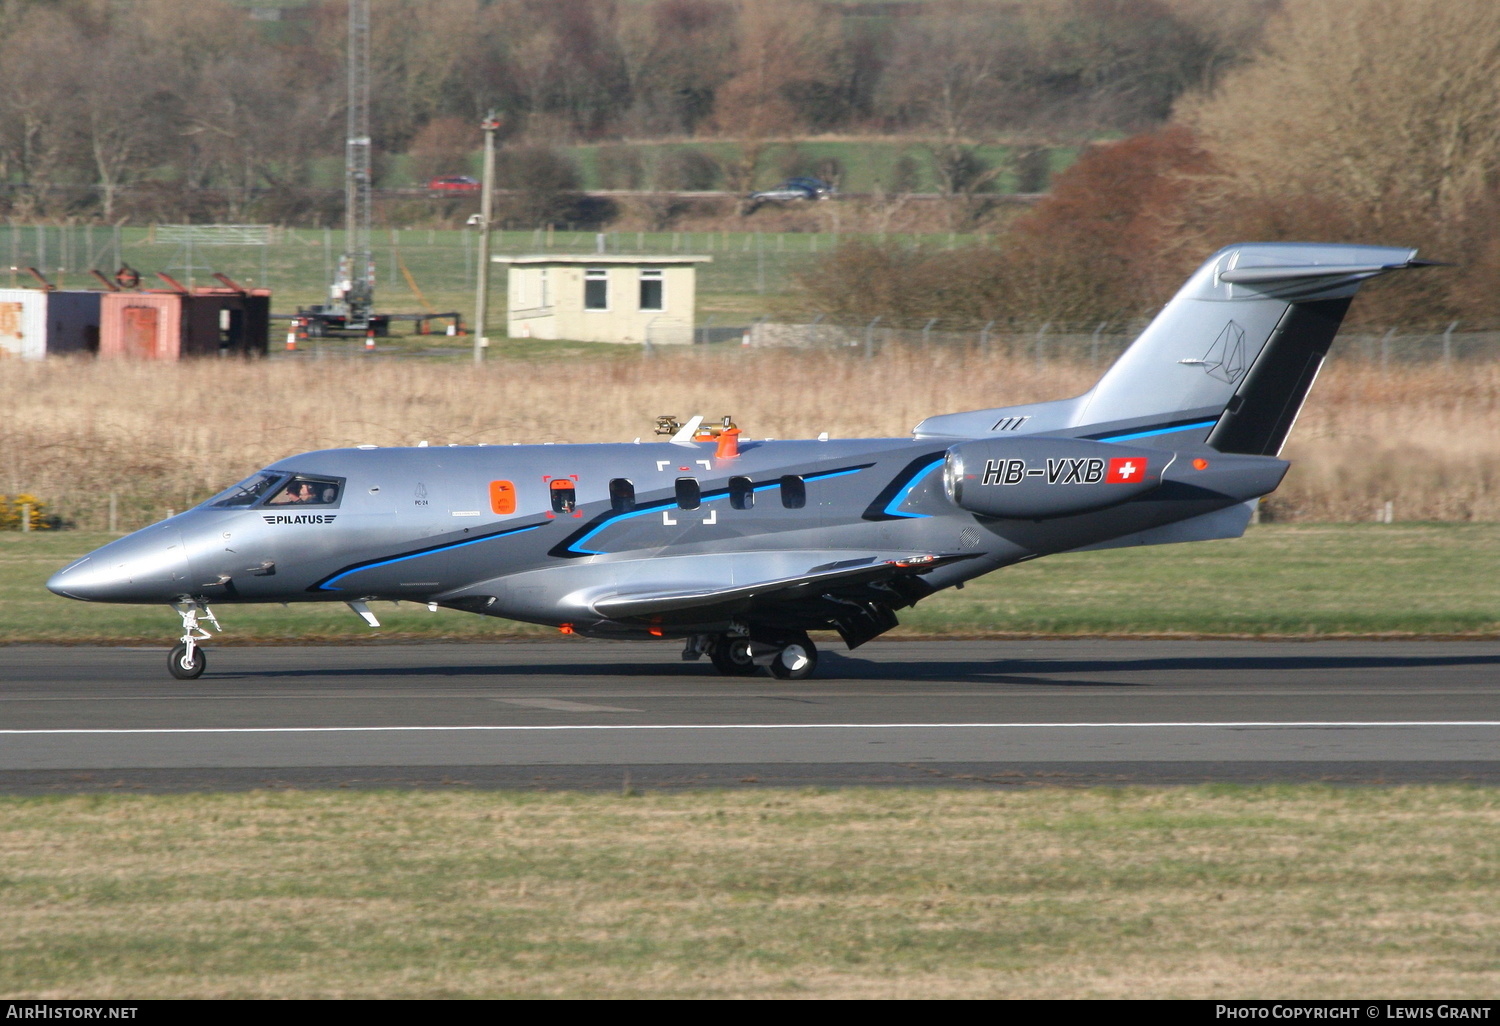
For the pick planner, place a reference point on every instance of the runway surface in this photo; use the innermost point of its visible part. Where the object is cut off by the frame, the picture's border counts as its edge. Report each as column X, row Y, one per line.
column 597, row 714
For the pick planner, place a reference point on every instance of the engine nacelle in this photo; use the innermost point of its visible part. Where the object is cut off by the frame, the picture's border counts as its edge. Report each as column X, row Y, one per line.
column 1037, row 478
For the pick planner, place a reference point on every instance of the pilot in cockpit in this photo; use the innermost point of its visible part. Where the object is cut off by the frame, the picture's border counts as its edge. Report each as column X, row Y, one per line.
column 295, row 493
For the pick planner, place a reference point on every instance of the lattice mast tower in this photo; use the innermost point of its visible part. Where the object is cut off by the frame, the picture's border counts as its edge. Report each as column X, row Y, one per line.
column 355, row 288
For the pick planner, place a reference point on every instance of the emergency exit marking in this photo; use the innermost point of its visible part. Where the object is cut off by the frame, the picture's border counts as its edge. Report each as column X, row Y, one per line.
column 502, row 497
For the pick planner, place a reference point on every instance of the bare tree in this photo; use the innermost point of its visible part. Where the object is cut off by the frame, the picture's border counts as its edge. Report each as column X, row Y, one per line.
column 38, row 133
column 256, row 122
column 561, row 66
column 1392, row 104
column 785, row 52
column 128, row 104
column 948, row 79
column 676, row 56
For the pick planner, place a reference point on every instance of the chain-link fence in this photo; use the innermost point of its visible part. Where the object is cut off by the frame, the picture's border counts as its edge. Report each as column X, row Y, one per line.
column 430, row 270
column 1096, row 345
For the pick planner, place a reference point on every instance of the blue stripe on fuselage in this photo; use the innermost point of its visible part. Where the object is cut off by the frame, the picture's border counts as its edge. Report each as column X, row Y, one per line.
column 1132, row 435
column 328, row 585
column 901, row 496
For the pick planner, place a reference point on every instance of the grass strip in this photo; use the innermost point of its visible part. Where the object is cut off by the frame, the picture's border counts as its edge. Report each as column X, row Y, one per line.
column 1211, row 891
column 1319, row 580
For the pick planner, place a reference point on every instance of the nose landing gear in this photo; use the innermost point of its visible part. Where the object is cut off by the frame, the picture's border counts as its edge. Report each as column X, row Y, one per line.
column 187, row 661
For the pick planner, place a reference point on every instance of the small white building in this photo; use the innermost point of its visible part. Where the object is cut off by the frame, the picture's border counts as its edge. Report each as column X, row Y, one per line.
column 602, row 297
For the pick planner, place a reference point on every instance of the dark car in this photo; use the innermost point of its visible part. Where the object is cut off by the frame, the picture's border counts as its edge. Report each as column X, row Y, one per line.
column 454, row 183
column 795, row 189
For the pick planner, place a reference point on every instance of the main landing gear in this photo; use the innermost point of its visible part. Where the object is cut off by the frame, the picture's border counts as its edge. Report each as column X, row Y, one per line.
column 188, row 661
column 786, row 655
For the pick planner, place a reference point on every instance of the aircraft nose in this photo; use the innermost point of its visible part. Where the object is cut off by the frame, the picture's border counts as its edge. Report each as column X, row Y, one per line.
column 72, row 581
column 148, row 566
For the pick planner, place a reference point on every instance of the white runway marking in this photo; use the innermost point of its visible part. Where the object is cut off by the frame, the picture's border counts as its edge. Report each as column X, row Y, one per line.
column 759, row 726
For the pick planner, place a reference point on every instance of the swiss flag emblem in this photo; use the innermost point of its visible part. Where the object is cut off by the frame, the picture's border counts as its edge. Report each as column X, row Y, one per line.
column 1126, row 470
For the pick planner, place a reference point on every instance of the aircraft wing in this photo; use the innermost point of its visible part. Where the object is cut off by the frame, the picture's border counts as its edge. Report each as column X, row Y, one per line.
column 689, row 600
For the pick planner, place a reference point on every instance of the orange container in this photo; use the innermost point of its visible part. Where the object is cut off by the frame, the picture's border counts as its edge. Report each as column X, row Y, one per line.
column 140, row 325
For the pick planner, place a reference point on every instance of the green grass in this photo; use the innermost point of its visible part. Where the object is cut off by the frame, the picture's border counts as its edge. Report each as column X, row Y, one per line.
column 867, row 164
column 1278, row 581
column 1270, row 892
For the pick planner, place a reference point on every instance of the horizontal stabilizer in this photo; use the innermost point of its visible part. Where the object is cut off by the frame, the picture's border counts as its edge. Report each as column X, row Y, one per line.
column 1262, row 275
column 689, row 598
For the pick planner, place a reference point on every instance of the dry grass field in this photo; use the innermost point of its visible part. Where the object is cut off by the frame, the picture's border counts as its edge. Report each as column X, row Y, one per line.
column 163, row 437
column 1205, row 892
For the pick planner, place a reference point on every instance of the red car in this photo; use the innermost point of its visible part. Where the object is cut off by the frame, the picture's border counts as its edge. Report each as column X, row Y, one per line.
column 454, row 183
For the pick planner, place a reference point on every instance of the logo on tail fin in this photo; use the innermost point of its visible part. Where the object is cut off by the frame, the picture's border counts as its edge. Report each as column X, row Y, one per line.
column 1225, row 359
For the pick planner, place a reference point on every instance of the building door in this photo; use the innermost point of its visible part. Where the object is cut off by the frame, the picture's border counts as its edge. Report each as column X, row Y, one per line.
column 139, row 330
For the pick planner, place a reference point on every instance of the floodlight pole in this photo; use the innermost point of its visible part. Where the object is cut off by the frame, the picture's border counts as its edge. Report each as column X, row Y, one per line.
column 486, row 210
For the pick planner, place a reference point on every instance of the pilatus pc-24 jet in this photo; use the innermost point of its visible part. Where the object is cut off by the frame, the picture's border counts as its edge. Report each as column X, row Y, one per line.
column 739, row 548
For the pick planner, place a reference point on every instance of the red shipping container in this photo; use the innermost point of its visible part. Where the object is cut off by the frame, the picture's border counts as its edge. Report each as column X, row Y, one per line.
column 140, row 325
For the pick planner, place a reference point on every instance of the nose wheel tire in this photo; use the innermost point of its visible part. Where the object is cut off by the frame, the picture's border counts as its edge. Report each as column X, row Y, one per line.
column 731, row 656
column 796, row 661
column 184, row 668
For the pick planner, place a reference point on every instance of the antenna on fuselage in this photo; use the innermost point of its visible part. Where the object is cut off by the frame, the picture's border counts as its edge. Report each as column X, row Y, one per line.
column 688, row 430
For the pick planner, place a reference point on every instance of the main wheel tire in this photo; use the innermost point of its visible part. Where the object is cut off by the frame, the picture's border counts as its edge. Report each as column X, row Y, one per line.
column 796, row 661
column 180, row 668
column 731, row 656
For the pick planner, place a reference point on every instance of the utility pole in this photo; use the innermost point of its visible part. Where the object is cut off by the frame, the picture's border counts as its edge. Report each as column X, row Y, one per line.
column 490, row 124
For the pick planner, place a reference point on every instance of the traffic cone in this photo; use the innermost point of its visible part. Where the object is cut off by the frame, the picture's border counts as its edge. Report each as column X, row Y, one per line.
column 729, row 444
column 369, row 340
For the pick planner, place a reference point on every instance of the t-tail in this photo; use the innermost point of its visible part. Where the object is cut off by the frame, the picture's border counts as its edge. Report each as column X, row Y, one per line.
column 1227, row 363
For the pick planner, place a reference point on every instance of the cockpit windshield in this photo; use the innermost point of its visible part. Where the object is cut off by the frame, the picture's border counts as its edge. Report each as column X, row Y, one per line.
column 278, row 489
column 302, row 490
column 248, row 492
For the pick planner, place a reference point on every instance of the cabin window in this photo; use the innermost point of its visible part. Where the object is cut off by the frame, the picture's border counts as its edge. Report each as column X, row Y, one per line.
column 793, row 492
column 596, row 288
column 621, row 495
column 502, row 497
column 689, row 494
column 302, row 490
column 651, row 288
column 741, row 493
column 564, row 495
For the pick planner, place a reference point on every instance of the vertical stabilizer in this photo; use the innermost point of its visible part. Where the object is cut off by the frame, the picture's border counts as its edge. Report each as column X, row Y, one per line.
column 1228, row 361
column 1241, row 342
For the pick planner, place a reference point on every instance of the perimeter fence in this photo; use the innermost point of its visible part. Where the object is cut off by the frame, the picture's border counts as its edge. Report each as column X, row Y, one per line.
column 749, row 271
column 1094, row 345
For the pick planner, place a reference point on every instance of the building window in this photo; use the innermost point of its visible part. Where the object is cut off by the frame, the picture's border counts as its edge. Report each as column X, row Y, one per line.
column 621, row 495
column 741, row 493
column 793, row 492
column 689, row 494
column 596, row 288
column 651, row 289
column 546, row 289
